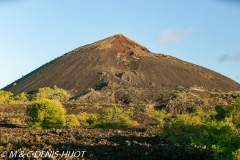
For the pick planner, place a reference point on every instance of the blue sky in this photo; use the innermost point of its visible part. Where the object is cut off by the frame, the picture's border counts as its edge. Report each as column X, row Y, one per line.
column 203, row 32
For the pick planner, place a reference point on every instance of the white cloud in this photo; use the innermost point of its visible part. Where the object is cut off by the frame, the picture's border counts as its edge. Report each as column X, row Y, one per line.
column 171, row 36
column 227, row 57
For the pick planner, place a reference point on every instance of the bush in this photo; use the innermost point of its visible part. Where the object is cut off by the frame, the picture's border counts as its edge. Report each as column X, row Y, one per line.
column 221, row 112
column 54, row 93
column 46, row 114
column 183, row 129
column 5, row 97
column 87, row 119
column 217, row 131
column 159, row 116
column 71, row 120
column 114, row 117
column 234, row 113
column 217, row 135
column 21, row 97
column 236, row 154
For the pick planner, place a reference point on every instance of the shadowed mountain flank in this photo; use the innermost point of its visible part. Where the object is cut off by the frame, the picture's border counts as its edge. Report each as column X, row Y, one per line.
column 119, row 62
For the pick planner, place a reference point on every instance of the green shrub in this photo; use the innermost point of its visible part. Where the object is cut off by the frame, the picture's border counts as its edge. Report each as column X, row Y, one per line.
column 236, row 154
column 46, row 113
column 114, row 117
column 234, row 113
column 159, row 116
column 91, row 120
column 221, row 112
column 217, row 135
column 54, row 93
column 21, row 97
column 198, row 110
column 87, row 119
column 71, row 120
column 5, row 97
column 216, row 131
column 183, row 129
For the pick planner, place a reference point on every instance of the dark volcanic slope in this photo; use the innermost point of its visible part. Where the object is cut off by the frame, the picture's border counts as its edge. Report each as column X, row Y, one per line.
column 118, row 61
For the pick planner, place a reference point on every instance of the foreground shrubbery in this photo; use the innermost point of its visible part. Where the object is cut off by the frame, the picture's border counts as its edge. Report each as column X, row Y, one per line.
column 115, row 117
column 71, row 120
column 158, row 116
column 87, row 119
column 217, row 130
column 110, row 117
column 47, row 113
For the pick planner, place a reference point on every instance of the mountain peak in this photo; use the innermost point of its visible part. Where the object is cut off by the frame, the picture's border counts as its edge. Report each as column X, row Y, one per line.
column 119, row 43
column 122, row 43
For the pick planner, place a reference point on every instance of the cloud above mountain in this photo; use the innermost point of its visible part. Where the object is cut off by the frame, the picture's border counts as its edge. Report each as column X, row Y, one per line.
column 173, row 36
column 228, row 57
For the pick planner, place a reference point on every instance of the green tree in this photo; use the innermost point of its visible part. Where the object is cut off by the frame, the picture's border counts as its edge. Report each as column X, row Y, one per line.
column 46, row 113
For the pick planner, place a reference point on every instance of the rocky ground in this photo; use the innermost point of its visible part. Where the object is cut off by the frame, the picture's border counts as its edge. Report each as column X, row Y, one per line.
column 95, row 143
column 142, row 142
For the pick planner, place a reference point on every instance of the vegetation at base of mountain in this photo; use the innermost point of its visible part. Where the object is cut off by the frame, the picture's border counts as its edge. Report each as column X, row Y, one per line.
column 205, row 126
column 53, row 93
column 159, row 116
column 46, row 113
column 71, row 120
column 110, row 117
column 114, row 117
column 7, row 97
column 217, row 130
column 87, row 119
